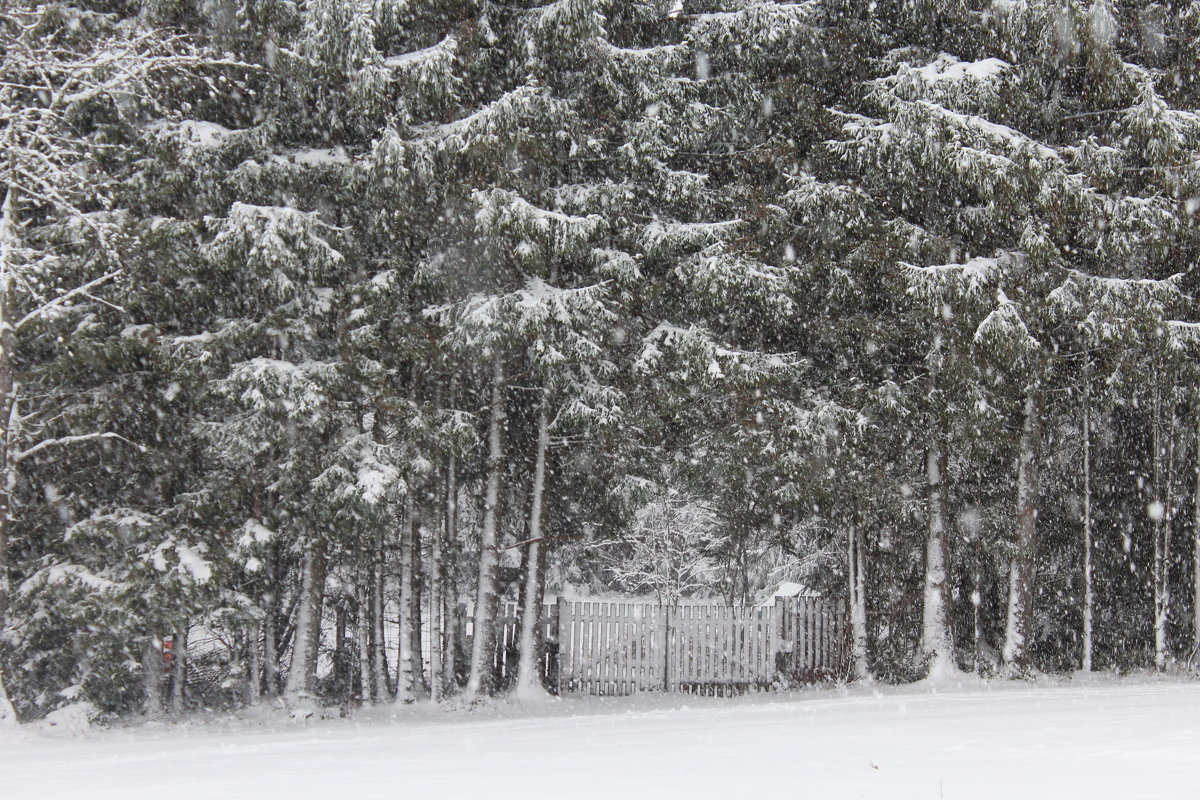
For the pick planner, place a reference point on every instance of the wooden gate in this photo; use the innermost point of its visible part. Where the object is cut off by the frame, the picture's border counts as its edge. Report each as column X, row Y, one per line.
column 619, row 648
column 814, row 639
column 611, row 648
column 717, row 649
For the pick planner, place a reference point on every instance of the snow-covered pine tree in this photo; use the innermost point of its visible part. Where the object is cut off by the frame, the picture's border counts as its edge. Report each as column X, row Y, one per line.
column 705, row 144
column 999, row 180
column 560, row 330
column 72, row 84
column 280, row 389
column 299, row 354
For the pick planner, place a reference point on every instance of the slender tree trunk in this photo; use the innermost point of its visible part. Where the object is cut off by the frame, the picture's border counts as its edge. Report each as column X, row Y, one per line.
column 404, row 655
column 856, row 569
column 1196, row 545
column 341, row 653
column 420, row 684
column 479, row 682
column 529, row 665
column 179, row 664
column 408, row 687
column 367, row 691
column 302, row 675
column 937, row 644
column 976, row 615
column 1164, row 452
column 152, row 678
column 1018, row 630
column 252, row 690
column 270, row 604
column 254, row 669
column 271, row 656
column 380, row 675
column 435, row 612
column 8, row 246
column 8, row 715
column 437, row 600
column 1088, row 597
column 449, row 594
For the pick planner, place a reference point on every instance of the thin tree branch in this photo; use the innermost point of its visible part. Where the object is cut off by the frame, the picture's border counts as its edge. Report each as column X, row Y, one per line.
column 66, row 297
column 66, row 440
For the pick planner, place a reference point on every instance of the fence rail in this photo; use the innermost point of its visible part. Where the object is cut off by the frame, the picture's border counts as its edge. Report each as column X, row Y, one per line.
column 620, row 648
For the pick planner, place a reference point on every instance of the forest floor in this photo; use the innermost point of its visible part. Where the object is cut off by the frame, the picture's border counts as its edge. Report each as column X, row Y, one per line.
column 1093, row 737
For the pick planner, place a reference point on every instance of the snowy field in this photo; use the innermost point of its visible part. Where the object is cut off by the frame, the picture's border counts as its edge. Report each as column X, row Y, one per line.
column 1135, row 738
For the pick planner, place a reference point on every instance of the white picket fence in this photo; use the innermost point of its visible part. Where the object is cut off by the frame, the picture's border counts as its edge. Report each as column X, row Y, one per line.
column 620, row 648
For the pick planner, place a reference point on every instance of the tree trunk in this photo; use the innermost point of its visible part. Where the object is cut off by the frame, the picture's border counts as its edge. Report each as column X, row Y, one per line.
column 449, row 593
column 856, row 570
column 341, row 653
column 411, row 676
column 1018, row 629
column 1196, row 546
column 367, row 691
column 271, row 627
column 254, row 666
column 1161, row 514
column 976, row 615
column 380, row 675
column 937, row 644
column 8, row 715
column 529, row 665
column 420, row 684
column 271, row 655
column 479, row 682
column 437, row 569
column 1088, row 598
column 179, row 659
column 302, row 675
column 152, row 678
column 8, row 245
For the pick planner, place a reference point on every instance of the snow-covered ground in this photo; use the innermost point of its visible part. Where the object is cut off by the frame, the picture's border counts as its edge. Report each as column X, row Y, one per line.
column 1134, row 738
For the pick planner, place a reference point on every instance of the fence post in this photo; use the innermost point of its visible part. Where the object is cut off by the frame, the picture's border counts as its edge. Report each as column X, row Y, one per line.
column 778, row 629
column 564, row 636
column 666, row 647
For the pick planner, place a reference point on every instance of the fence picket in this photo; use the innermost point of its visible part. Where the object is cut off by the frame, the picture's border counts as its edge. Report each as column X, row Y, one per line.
column 713, row 618
column 752, row 640
column 737, row 670
column 731, row 614
column 716, row 624
column 601, row 631
column 814, row 638
column 694, row 633
column 819, row 634
column 632, row 646
column 806, row 633
column 687, row 633
column 822, row 639
column 624, row 645
column 638, row 626
column 632, row 649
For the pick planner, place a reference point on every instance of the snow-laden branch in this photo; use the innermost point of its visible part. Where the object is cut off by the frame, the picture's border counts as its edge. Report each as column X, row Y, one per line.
column 69, row 440
column 1183, row 335
column 1004, row 327
column 66, row 297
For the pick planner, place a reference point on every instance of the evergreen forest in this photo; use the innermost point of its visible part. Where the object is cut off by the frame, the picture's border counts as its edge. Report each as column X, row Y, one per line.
column 324, row 320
